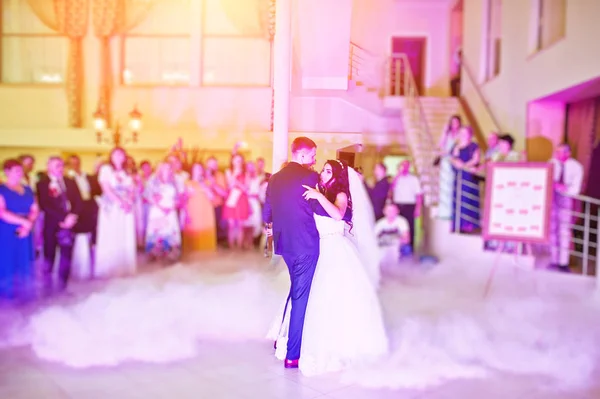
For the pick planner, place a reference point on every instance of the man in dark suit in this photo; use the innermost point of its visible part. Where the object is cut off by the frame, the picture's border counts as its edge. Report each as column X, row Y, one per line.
column 61, row 202
column 89, row 188
column 295, row 232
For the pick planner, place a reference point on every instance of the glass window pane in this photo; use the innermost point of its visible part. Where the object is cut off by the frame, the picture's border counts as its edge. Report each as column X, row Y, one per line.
column 171, row 17
column 233, row 17
column 237, row 61
column 157, row 60
column 34, row 59
column 18, row 17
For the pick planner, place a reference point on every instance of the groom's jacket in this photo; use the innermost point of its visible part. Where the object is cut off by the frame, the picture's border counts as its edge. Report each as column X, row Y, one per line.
column 294, row 228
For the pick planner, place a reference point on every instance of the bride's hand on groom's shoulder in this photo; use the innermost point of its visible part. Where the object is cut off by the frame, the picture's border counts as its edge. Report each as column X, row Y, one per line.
column 311, row 193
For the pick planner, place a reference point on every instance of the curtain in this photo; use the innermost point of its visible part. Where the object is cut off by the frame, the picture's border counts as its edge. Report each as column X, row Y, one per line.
column 581, row 134
column 69, row 18
column 111, row 18
column 251, row 17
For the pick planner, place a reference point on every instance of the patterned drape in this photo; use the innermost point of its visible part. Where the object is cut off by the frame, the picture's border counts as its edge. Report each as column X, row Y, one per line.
column 69, row 18
column 111, row 18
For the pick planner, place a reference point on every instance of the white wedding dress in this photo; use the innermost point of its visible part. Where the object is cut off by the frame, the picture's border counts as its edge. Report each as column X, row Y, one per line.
column 343, row 326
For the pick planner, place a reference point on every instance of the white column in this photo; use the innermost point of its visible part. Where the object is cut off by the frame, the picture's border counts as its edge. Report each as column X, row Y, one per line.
column 281, row 81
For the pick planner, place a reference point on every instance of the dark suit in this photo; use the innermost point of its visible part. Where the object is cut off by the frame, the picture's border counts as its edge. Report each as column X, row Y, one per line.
column 88, row 220
column 379, row 195
column 56, row 206
column 296, row 239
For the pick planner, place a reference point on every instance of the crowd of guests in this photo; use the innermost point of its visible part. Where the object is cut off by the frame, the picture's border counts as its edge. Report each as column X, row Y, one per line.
column 97, row 223
column 397, row 200
column 93, row 225
column 462, row 171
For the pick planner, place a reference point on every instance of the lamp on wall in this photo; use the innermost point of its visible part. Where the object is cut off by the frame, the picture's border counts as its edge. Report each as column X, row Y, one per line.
column 115, row 137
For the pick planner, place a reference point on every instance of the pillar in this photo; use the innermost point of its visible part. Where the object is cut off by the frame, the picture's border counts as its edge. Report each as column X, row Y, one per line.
column 282, row 54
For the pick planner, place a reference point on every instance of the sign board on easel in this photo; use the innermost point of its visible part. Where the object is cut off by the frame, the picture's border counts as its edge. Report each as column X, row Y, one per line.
column 518, row 202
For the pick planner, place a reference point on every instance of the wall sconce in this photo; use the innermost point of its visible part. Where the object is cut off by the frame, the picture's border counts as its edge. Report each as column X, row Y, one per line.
column 115, row 137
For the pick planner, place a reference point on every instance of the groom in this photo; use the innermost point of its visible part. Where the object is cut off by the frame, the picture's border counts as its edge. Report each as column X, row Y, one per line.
column 295, row 233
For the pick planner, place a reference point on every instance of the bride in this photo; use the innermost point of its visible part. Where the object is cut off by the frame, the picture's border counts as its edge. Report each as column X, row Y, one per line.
column 343, row 326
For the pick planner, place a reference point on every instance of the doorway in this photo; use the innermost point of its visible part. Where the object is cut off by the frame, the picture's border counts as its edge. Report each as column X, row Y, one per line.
column 415, row 50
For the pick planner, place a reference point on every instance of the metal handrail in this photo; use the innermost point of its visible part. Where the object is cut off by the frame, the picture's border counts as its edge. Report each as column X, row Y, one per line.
column 584, row 224
column 399, row 80
column 584, row 198
column 469, row 72
column 356, row 61
column 460, row 183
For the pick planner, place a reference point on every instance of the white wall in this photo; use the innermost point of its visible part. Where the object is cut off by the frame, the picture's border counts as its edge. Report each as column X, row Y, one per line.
column 527, row 76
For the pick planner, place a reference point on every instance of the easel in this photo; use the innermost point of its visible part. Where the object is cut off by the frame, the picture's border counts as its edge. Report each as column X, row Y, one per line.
column 506, row 180
column 499, row 253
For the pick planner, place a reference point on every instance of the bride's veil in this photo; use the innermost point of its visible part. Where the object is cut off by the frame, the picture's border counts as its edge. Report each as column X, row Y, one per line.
column 363, row 226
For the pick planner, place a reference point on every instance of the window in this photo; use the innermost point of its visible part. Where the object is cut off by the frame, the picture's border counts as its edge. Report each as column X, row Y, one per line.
column 235, row 50
column 31, row 53
column 158, row 51
column 550, row 20
column 493, row 39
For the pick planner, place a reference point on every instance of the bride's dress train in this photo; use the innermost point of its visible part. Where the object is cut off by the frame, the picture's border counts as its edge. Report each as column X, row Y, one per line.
column 343, row 326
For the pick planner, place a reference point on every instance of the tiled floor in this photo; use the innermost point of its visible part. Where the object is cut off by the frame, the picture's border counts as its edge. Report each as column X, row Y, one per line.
column 235, row 370
column 230, row 371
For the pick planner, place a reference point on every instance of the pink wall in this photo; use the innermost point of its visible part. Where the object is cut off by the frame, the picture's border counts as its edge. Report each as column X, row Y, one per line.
column 374, row 23
column 545, row 128
column 323, row 32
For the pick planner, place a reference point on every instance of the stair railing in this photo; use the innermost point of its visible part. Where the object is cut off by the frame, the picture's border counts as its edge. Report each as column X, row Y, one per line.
column 487, row 109
column 362, row 65
column 399, row 81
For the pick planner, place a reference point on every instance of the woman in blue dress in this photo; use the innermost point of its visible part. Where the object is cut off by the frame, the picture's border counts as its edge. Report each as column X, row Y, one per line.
column 465, row 160
column 18, row 211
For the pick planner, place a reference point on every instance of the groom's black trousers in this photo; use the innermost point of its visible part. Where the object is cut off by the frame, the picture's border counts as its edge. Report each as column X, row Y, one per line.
column 302, row 269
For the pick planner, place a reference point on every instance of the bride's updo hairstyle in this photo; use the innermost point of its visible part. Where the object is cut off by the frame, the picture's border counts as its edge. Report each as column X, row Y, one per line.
column 338, row 183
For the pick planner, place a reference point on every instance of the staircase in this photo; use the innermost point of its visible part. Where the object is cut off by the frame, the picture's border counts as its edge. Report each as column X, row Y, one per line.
column 424, row 119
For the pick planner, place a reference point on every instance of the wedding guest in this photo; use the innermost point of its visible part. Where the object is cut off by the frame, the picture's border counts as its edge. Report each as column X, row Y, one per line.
column 30, row 179
column 568, row 179
column 447, row 143
column 163, row 235
column 465, row 161
column 116, row 242
column 28, row 163
column 260, row 169
column 392, row 232
column 87, row 223
column 253, row 224
column 492, row 150
column 237, row 208
column 142, row 205
column 407, row 194
column 379, row 191
column 18, row 212
column 505, row 151
column 89, row 188
column 61, row 202
column 180, row 177
column 199, row 233
column 130, row 166
column 215, row 180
